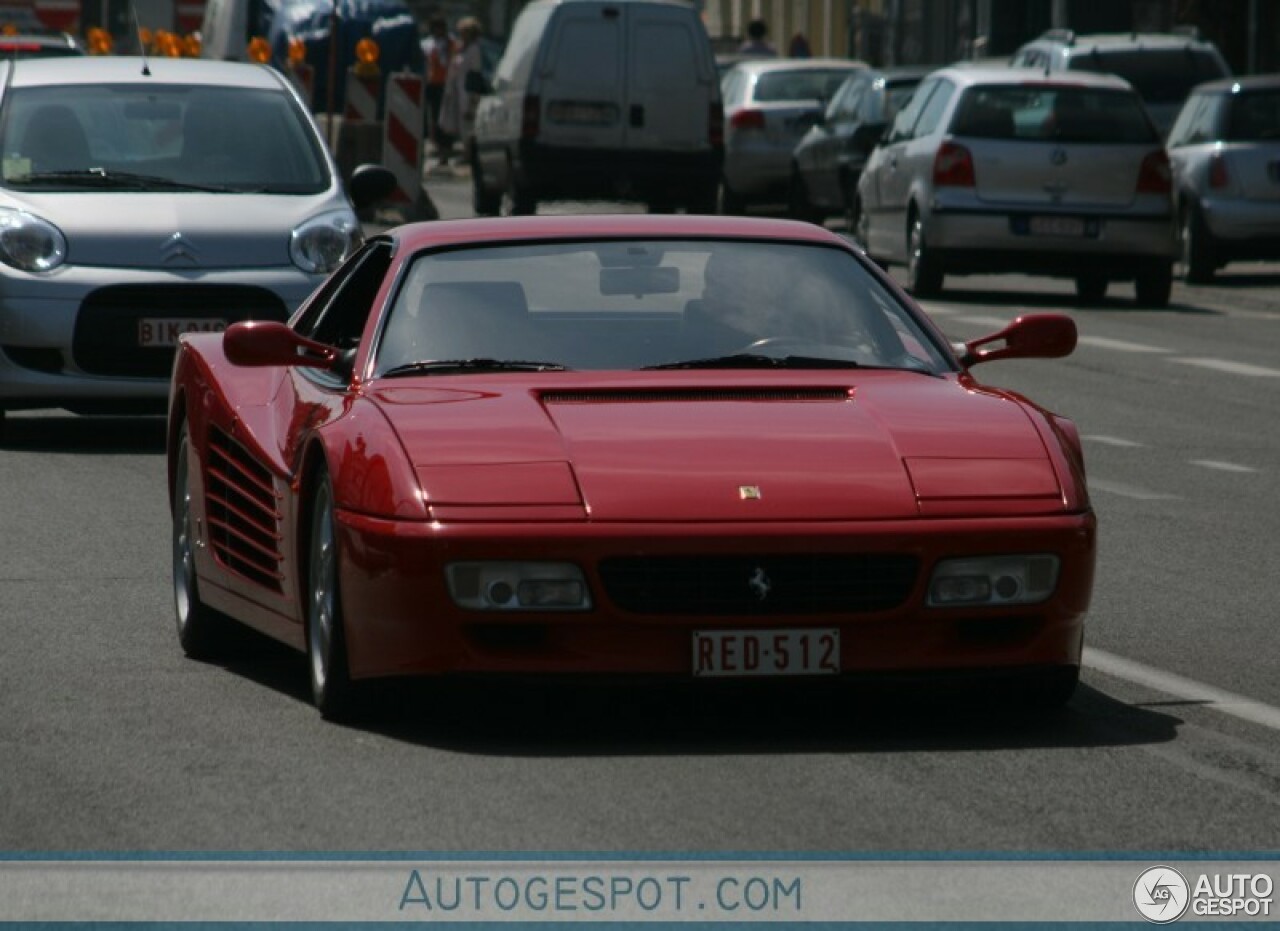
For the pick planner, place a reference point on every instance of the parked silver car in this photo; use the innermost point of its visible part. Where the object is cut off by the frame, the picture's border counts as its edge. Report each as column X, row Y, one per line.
column 769, row 104
column 999, row 170
column 1225, row 150
column 143, row 199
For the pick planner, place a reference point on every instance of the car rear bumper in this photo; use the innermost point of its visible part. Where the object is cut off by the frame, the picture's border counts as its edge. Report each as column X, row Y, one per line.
column 558, row 172
column 973, row 241
column 1244, row 228
column 400, row 619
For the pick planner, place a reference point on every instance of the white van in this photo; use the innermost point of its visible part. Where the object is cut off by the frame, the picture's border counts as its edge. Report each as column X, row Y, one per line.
column 609, row 99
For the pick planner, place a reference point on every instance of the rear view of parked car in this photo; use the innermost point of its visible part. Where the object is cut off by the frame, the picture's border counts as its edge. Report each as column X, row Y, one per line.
column 1225, row 151
column 828, row 160
column 143, row 199
column 591, row 99
column 1162, row 67
column 996, row 170
column 769, row 104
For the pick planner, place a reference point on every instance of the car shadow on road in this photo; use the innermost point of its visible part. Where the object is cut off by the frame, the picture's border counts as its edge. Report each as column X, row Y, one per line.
column 68, row 433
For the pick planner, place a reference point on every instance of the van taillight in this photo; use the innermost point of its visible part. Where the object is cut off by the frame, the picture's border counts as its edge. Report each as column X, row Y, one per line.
column 747, row 119
column 530, row 117
column 1155, row 177
column 1218, row 177
column 953, row 166
column 715, row 124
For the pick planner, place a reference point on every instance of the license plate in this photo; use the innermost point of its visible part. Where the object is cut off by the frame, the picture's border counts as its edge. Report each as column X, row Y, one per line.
column 164, row 331
column 583, row 114
column 813, row 652
column 1057, row 226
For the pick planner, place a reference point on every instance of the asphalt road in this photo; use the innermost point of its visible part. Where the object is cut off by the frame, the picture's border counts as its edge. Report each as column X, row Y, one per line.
column 111, row 740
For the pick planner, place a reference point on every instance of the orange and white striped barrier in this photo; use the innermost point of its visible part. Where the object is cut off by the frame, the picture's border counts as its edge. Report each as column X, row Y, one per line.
column 362, row 98
column 402, row 148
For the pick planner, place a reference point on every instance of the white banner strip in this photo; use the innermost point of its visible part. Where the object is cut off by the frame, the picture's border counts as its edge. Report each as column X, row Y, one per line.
column 610, row 890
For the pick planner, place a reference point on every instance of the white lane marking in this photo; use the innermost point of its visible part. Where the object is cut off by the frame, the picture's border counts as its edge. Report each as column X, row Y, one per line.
column 1119, row 345
column 1181, row 687
column 1109, row 440
column 1231, row 368
column 998, row 322
column 1129, row 491
column 1222, row 466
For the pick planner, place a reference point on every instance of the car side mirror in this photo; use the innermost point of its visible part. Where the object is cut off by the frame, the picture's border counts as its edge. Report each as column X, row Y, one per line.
column 867, row 136
column 370, row 185
column 266, row 342
column 1035, row 336
column 474, row 83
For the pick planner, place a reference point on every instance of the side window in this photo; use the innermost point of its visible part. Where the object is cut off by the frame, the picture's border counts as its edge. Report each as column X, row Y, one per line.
column 931, row 116
column 338, row 315
column 907, row 116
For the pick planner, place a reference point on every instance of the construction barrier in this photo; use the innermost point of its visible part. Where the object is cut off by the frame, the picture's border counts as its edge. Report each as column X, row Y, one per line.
column 362, row 98
column 402, row 147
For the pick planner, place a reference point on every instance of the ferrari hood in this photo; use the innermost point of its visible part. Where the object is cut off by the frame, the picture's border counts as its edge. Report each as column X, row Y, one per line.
column 176, row 231
column 896, row 445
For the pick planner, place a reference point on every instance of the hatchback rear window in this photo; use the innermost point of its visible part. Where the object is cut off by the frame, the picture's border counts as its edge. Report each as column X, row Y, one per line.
column 1052, row 113
column 1254, row 117
column 1159, row 75
column 775, row 86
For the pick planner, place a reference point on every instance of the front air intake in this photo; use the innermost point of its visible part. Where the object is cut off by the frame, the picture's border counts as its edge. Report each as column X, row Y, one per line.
column 657, row 395
column 242, row 508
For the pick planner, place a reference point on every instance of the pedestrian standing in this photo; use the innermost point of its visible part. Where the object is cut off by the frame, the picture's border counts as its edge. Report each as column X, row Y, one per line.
column 458, row 108
column 438, row 48
column 758, row 43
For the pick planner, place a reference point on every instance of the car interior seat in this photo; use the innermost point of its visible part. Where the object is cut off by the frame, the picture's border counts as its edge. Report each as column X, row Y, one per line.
column 55, row 140
column 467, row 320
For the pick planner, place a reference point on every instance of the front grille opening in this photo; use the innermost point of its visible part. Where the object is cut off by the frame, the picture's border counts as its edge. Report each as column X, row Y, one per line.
column 35, row 358
column 508, row 638
column 641, row 396
column 106, row 339
column 761, row 585
column 997, row 631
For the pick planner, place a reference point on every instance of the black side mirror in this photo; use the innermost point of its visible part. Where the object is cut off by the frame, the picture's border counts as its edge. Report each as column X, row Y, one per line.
column 370, row 185
column 867, row 136
column 475, row 83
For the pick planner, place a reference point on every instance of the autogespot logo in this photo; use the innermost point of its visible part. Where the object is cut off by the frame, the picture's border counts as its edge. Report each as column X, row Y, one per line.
column 1161, row 894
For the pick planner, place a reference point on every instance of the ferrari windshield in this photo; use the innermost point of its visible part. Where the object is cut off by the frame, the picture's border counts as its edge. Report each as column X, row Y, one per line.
column 631, row 304
column 158, row 137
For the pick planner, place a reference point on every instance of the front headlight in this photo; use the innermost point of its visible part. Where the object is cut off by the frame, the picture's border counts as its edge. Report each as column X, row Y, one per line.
column 518, row 586
column 319, row 245
column 993, row 580
column 30, row 243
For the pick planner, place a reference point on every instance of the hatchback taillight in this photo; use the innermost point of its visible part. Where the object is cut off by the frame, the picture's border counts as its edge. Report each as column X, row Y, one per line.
column 953, row 166
column 715, row 124
column 747, row 119
column 1218, row 176
column 530, row 117
column 1154, row 177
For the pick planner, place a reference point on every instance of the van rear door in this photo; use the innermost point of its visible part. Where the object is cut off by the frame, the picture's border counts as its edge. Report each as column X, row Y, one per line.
column 583, row 81
column 672, row 79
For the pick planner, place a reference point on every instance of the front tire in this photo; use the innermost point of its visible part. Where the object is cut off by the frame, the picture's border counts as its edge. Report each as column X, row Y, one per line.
column 202, row 632
column 484, row 202
column 517, row 201
column 1154, row 285
column 1091, row 289
column 924, row 276
column 331, row 687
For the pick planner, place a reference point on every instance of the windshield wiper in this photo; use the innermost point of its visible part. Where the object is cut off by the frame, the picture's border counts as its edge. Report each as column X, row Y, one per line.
column 751, row 360
column 101, row 178
column 446, row 366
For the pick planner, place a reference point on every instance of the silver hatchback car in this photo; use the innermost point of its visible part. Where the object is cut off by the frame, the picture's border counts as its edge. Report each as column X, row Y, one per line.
column 1225, row 150
column 141, row 199
column 1000, row 170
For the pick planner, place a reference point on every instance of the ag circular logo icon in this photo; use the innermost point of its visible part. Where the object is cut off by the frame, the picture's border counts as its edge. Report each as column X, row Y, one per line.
column 1161, row 894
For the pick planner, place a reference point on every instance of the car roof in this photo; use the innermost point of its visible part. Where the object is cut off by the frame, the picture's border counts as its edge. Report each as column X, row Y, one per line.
column 489, row 231
column 1108, row 41
column 1251, row 82
column 968, row 75
column 112, row 69
column 764, row 65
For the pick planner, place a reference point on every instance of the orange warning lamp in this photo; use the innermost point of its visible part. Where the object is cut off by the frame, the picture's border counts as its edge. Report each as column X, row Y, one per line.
column 99, row 41
column 297, row 51
column 192, row 46
column 367, row 53
column 259, row 50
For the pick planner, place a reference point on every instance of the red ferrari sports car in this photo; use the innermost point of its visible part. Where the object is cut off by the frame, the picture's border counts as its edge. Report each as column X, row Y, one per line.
column 696, row 447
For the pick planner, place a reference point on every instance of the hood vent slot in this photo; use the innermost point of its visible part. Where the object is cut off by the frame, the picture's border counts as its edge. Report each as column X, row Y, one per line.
column 647, row 395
